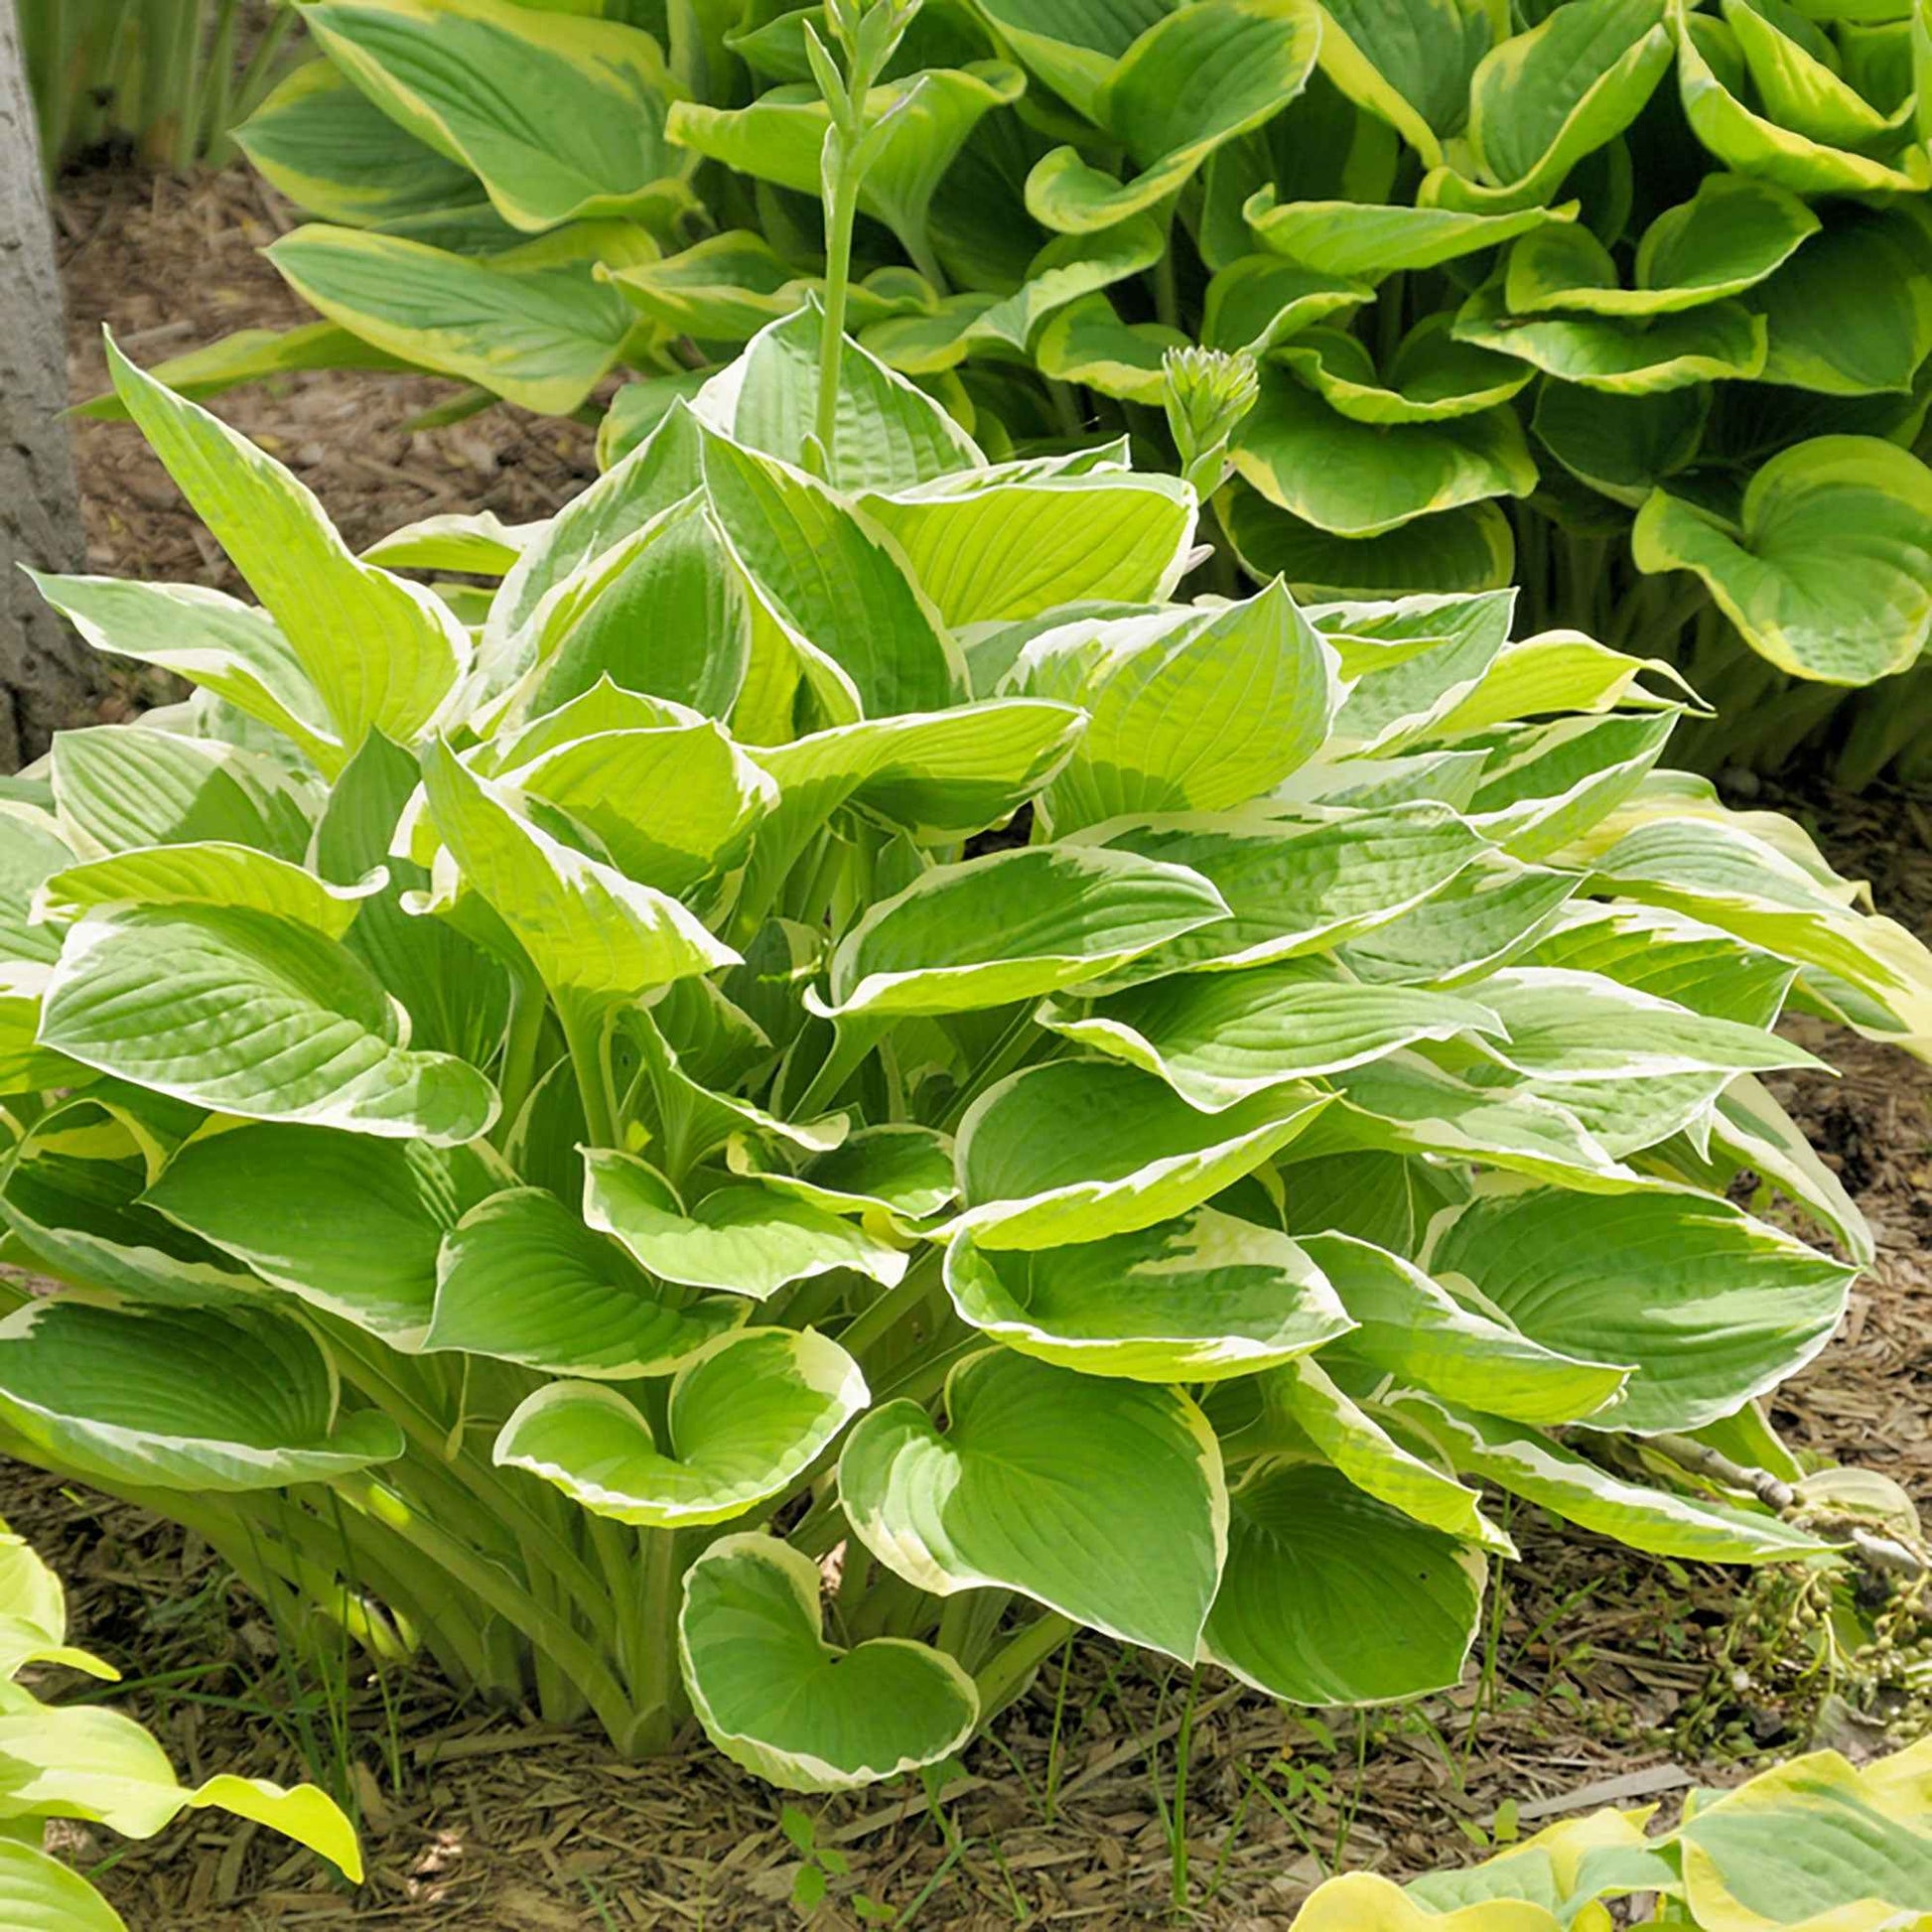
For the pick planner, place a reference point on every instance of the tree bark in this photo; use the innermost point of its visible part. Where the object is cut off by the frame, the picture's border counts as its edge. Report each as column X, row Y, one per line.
column 45, row 680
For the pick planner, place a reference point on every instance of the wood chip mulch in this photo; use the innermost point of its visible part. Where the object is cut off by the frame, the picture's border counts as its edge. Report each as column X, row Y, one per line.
column 1607, row 1677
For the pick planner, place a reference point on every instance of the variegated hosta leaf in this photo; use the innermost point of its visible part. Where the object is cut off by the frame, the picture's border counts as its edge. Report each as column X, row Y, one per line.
column 775, row 1697
column 1081, row 1149
column 182, row 1398
column 1195, row 1298
column 746, row 1414
column 744, row 1237
column 1709, row 1306
column 1410, row 63
column 41, row 1894
column 1332, row 1597
column 1370, row 242
column 346, row 1223
column 244, row 1013
column 1409, row 1326
column 1296, row 887
column 1012, row 926
column 1541, row 1471
column 1430, row 379
column 1102, row 1499
column 1196, row 79
column 1218, row 1037
column 381, row 653
column 1826, row 572
column 560, row 117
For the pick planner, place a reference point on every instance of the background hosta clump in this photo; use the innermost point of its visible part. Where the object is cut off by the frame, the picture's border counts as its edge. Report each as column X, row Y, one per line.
column 1626, row 301
column 561, row 1134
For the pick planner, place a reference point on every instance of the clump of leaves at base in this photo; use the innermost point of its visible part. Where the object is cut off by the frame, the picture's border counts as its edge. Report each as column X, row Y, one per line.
column 841, row 1027
column 1816, row 1842
column 82, row 1762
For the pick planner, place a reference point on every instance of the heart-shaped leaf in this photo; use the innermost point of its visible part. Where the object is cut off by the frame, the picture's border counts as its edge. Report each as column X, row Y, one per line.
column 1332, row 1597
column 747, row 1416
column 1191, row 1300
column 1786, row 576
column 1102, row 1499
column 775, row 1697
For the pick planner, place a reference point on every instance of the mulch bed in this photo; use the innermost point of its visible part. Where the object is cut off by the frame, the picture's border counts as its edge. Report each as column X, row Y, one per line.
column 1607, row 1677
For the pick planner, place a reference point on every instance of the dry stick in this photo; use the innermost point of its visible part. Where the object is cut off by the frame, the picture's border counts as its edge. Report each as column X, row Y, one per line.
column 1880, row 1552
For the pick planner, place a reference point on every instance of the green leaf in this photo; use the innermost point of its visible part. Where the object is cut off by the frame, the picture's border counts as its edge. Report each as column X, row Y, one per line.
column 540, row 337
column 1101, row 1500
column 1296, row 887
column 778, row 1699
column 887, row 435
column 1218, row 1037
column 1432, row 378
column 1409, row 62
column 72, row 1192
column 560, row 116
column 209, row 873
column 779, row 136
column 334, row 153
column 1573, row 1026
column 1358, row 478
column 40, row 1894
column 1851, row 314
column 127, row 788
column 831, row 579
column 382, row 654
column 1710, row 1306
column 1355, row 1443
column 1195, row 81
column 246, row 1014
column 86, row 1762
column 1469, row 549
column 1013, row 925
column 1257, row 301
column 1332, row 1597
column 896, row 1174
column 1660, row 1521
column 670, row 806
column 1078, row 1150
column 1727, row 237
column 521, row 1278
column 1069, row 267
column 588, row 929
column 1199, row 718
column 1088, row 344
column 1828, row 573
column 746, row 1416
column 1002, row 545
column 207, row 636
column 1714, row 84
column 1073, row 44
column 1624, row 446
column 1191, row 1300
column 1410, row 1326
column 476, row 542
column 1480, row 922
column 349, row 1224
column 182, row 1399
column 1369, row 243
column 745, row 1238
column 1543, row 101
column 1631, row 356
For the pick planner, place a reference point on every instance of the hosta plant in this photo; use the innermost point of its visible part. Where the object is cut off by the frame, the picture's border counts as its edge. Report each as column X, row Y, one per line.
column 84, row 1761
column 831, row 1082
column 1625, row 301
column 1817, row 1843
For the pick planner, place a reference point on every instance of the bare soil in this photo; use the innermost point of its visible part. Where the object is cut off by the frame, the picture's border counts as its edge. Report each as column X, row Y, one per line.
column 1604, row 1676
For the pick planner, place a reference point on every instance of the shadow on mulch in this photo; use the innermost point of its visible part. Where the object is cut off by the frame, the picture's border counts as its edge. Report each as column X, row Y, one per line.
column 1604, row 1676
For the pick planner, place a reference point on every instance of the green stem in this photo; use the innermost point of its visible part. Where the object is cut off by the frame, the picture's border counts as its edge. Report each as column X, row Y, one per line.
column 585, row 1033
column 519, row 1052
column 874, row 1321
column 544, row 1630
column 1001, row 1679
column 842, row 212
column 654, row 1678
column 853, row 1037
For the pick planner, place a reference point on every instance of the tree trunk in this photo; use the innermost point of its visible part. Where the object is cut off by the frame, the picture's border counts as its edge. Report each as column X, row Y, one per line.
column 45, row 678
